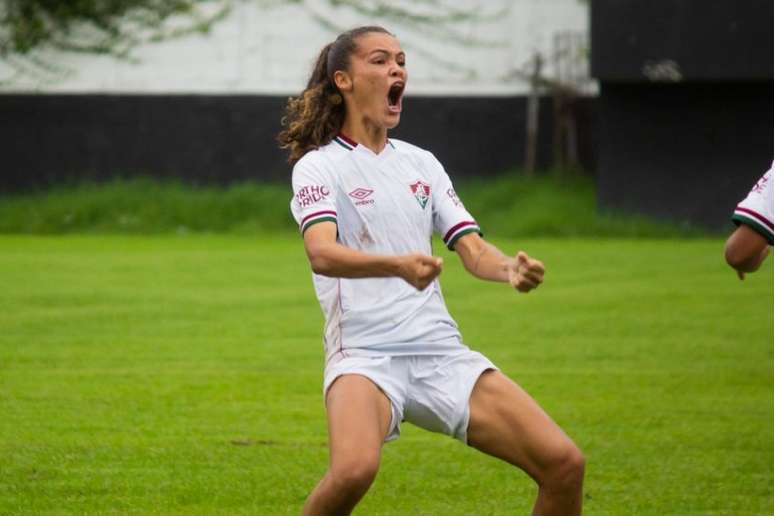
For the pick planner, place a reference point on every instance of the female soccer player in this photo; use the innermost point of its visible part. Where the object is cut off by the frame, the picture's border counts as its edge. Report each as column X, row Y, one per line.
column 748, row 246
column 367, row 206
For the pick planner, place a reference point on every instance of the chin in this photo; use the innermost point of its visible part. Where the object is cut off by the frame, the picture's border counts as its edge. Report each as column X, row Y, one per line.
column 392, row 123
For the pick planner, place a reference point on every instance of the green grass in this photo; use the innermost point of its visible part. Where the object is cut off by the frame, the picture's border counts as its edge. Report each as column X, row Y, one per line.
column 509, row 206
column 182, row 375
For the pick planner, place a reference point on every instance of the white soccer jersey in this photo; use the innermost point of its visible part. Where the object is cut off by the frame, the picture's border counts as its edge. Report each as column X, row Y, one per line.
column 757, row 209
column 384, row 204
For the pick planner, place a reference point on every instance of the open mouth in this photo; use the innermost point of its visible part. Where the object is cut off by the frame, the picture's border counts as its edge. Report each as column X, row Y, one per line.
column 395, row 96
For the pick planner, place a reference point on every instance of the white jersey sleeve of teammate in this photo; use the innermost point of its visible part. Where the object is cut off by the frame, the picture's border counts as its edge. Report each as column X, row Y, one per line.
column 757, row 209
column 450, row 218
column 314, row 195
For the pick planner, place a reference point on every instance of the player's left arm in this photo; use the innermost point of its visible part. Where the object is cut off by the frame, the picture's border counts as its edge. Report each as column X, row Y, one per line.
column 748, row 245
column 485, row 261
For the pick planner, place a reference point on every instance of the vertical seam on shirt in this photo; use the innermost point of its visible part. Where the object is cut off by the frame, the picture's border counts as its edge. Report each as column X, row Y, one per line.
column 341, row 314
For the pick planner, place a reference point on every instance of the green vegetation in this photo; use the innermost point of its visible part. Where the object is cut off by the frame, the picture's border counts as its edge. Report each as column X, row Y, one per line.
column 510, row 206
column 182, row 375
column 145, row 206
column 556, row 205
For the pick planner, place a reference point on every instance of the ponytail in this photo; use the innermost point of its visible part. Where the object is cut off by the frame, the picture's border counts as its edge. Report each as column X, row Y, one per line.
column 315, row 117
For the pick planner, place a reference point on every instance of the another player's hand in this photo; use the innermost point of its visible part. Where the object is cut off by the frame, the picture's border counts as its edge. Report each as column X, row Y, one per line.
column 420, row 270
column 525, row 273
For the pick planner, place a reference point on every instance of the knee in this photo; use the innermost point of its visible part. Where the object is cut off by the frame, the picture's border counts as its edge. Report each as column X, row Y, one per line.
column 566, row 469
column 354, row 477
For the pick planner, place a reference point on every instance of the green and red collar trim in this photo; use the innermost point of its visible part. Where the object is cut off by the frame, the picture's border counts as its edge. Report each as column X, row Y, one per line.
column 350, row 144
column 345, row 141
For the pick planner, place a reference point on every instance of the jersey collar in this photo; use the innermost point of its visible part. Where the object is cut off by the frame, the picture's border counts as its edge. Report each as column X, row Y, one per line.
column 345, row 141
column 350, row 144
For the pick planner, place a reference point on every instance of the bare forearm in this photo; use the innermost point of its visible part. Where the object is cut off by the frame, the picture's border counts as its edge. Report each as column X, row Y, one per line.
column 489, row 263
column 746, row 249
column 750, row 263
column 329, row 258
column 338, row 261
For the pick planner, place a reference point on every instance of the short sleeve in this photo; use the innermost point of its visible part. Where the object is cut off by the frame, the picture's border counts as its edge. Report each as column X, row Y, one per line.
column 757, row 209
column 450, row 218
column 314, row 195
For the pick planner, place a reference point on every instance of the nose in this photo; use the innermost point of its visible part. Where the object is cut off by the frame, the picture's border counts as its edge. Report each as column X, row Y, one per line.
column 398, row 71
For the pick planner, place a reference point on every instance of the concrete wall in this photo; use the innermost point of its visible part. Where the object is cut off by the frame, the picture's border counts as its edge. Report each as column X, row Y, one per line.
column 260, row 49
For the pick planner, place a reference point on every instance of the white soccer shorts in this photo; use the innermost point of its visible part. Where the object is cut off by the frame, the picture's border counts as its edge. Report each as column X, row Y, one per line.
column 429, row 391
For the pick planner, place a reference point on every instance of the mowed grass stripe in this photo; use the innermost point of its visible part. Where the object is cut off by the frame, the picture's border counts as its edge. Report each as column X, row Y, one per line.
column 181, row 375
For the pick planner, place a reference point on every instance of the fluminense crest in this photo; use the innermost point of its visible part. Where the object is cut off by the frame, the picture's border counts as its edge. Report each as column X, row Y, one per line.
column 421, row 192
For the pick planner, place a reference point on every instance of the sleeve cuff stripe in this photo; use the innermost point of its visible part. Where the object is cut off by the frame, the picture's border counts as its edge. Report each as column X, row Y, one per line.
column 460, row 233
column 329, row 213
column 746, row 212
column 315, row 221
column 755, row 226
column 450, row 234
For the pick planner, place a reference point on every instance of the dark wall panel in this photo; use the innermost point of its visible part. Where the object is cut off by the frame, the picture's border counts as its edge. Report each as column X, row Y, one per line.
column 51, row 139
column 706, row 40
column 476, row 136
column 685, row 152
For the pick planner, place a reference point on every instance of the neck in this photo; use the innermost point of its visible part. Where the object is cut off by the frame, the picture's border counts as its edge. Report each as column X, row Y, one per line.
column 365, row 133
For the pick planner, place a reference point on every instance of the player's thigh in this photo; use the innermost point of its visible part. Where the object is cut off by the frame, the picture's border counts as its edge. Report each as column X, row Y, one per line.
column 507, row 423
column 359, row 416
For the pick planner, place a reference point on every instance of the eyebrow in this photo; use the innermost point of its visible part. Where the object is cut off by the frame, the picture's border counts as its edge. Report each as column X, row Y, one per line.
column 383, row 51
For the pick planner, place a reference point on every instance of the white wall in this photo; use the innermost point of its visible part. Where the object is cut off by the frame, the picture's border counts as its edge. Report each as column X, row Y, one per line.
column 269, row 50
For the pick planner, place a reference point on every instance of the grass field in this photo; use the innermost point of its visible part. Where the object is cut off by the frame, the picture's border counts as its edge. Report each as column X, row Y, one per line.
column 182, row 375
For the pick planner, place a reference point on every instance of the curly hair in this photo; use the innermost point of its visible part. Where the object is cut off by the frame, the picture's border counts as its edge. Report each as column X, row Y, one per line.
column 315, row 117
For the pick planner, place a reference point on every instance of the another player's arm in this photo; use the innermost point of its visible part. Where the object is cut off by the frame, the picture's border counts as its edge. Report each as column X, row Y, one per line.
column 745, row 250
column 329, row 258
column 484, row 260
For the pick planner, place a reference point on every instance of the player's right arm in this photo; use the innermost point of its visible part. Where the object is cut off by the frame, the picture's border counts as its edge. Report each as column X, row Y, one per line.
column 314, row 208
column 329, row 258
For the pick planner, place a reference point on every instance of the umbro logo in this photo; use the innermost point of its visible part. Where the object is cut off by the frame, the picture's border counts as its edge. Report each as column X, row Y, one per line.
column 361, row 196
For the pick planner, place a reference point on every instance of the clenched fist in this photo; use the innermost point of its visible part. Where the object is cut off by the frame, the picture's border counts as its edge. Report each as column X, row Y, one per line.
column 420, row 270
column 525, row 273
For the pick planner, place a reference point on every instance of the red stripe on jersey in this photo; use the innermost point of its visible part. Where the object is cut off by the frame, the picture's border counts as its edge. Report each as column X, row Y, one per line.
column 324, row 212
column 757, row 216
column 348, row 139
column 458, row 226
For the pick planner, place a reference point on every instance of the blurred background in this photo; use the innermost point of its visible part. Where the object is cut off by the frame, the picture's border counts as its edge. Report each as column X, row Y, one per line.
column 664, row 107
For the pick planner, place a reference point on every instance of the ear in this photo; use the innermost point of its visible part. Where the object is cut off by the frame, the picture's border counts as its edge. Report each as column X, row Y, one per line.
column 343, row 81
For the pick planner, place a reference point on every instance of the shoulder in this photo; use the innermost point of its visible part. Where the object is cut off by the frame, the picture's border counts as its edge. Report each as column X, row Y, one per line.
column 769, row 176
column 416, row 153
column 409, row 148
column 323, row 161
column 765, row 185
